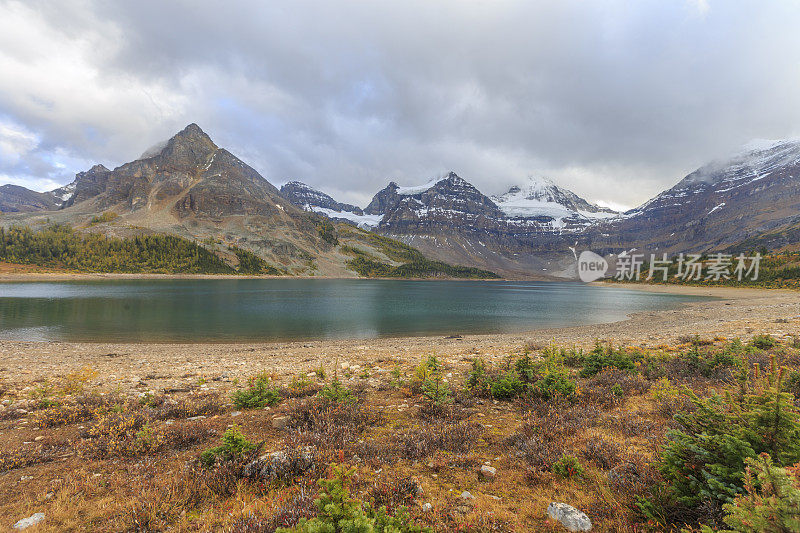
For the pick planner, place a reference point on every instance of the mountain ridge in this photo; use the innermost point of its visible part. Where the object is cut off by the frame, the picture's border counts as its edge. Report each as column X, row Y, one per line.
column 533, row 227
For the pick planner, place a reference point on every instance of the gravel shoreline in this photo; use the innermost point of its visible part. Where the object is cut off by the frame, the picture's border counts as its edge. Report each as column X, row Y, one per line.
column 733, row 313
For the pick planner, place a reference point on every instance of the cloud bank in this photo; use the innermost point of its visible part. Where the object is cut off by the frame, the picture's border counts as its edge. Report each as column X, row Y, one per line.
column 615, row 100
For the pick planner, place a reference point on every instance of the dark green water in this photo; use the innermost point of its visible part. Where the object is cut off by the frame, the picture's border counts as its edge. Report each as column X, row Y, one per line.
column 278, row 309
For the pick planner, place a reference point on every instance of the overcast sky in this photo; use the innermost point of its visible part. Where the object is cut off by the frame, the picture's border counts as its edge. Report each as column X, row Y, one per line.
column 616, row 100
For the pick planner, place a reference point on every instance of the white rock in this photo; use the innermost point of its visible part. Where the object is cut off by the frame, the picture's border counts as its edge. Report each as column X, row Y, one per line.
column 488, row 472
column 427, row 507
column 30, row 521
column 570, row 518
column 467, row 496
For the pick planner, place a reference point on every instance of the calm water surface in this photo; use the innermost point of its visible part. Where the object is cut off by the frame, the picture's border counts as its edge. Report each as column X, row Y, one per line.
column 280, row 309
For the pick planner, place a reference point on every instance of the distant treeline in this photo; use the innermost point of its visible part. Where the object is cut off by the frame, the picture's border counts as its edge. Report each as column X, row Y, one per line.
column 59, row 246
column 776, row 270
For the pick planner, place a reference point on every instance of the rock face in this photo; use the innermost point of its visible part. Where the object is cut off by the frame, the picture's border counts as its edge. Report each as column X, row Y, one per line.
column 17, row 199
column 571, row 518
column 87, row 185
column 303, row 196
column 190, row 175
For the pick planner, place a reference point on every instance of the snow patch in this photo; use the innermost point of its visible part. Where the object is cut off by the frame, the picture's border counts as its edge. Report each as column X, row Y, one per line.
column 367, row 220
column 418, row 189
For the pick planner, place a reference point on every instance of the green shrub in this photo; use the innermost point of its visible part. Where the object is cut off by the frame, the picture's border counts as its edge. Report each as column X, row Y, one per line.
column 335, row 392
column 478, row 381
column 436, row 391
column 507, row 386
column 772, row 502
column 259, row 393
column 555, row 382
column 763, row 342
column 605, row 357
column 234, row 445
column 526, row 369
column 398, row 377
column 338, row 511
column 704, row 461
column 568, row 466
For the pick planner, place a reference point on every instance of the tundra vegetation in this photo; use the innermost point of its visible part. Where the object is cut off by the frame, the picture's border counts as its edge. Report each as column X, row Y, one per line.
column 700, row 435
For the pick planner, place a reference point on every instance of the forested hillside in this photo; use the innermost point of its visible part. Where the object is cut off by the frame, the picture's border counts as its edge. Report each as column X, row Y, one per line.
column 60, row 246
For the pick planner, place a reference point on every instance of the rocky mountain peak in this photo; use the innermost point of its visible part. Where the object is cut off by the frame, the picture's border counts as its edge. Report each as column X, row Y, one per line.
column 189, row 147
column 540, row 196
column 311, row 199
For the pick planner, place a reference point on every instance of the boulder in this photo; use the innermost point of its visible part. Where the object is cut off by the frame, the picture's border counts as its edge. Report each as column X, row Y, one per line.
column 571, row 518
column 488, row 472
column 30, row 521
column 281, row 464
column 280, row 422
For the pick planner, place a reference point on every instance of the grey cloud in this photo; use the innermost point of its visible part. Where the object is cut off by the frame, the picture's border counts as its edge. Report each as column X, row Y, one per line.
column 615, row 100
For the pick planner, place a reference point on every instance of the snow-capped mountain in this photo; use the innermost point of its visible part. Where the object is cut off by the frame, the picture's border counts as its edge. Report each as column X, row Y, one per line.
column 722, row 203
column 311, row 199
column 542, row 197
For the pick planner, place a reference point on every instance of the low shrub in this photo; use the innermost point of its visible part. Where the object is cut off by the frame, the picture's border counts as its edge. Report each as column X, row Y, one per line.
column 555, row 382
column 478, row 381
column 424, row 441
column 601, row 452
column 286, row 512
column 395, row 493
column 259, row 393
column 526, row 368
column 606, row 357
column 507, row 386
column 234, row 445
column 669, row 399
column 200, row 404
column 117, row 433
column 335, row 392
column 568, row 466
column 337, row 510
column 763, row 342
column 436, row 391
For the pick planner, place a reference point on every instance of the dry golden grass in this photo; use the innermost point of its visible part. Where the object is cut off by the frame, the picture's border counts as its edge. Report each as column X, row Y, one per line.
column 124, row 464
